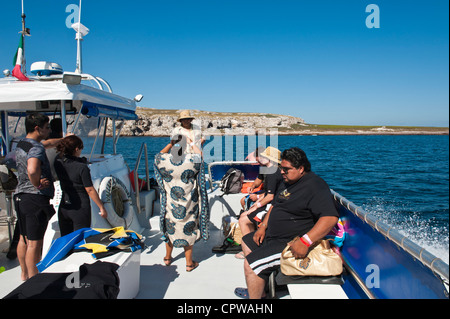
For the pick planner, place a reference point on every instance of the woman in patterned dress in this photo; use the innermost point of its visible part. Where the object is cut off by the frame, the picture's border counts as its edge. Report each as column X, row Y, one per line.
column 184, row 202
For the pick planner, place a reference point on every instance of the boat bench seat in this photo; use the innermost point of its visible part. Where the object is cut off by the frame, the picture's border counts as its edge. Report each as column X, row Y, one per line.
column 282, row 279
column 226, row 205
column 308, row 287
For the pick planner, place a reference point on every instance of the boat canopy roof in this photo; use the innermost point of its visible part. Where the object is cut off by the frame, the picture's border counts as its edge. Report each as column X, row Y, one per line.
column 17, row 97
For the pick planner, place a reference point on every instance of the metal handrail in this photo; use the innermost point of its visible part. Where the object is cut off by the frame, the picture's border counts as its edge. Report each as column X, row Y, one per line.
column 135, row 173
column 357, row 278
column 210, row 165
column 10, row 218
column 437, row 265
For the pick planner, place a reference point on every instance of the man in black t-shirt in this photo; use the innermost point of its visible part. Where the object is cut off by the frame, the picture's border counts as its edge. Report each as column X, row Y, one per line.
column 304, row 208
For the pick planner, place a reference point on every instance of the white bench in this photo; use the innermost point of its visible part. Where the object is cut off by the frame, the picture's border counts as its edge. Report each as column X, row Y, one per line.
column 308, row 287
column 316, row 291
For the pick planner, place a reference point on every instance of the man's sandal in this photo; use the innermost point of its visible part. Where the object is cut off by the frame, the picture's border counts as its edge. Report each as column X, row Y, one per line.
column 241, row 292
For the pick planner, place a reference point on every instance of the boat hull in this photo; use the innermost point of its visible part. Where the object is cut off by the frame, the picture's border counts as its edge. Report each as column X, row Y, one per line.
column 386, row 270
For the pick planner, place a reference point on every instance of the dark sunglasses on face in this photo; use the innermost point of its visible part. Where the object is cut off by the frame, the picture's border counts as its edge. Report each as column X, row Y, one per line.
column 285, row 169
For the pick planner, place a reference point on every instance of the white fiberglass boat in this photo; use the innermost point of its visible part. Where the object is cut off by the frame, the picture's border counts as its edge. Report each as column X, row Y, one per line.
column 378, row 261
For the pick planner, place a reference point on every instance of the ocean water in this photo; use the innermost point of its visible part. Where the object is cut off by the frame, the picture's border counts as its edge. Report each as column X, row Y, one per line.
column 404, row 180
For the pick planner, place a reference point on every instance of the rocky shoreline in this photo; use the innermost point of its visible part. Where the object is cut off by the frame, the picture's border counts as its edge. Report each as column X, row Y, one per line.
column 158, row 122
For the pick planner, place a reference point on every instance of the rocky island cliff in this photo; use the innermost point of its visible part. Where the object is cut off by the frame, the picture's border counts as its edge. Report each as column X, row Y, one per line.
column 157, row 122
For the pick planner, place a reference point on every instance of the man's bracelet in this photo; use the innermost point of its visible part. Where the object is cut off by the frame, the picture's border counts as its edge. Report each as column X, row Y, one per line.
column 304, row 242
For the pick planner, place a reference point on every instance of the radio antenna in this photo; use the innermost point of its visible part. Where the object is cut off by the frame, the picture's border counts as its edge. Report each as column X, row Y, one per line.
column 81, row 32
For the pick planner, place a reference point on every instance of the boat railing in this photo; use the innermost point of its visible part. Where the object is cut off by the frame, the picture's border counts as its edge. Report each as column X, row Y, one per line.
column 437, row 265
column 142, row 150
column 216, row 170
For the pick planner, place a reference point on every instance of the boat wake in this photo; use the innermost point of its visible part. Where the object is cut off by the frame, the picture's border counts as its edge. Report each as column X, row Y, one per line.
column 428, row 229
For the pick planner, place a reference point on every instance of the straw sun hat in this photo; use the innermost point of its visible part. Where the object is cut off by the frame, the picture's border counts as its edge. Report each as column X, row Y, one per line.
column 186, row 114
column 271, row 153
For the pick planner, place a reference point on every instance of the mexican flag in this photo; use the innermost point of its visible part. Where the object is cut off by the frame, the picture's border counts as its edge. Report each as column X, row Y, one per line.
column 17, row 62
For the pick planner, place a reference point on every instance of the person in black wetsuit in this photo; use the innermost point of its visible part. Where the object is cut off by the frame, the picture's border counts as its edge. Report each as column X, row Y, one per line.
column 76, row 184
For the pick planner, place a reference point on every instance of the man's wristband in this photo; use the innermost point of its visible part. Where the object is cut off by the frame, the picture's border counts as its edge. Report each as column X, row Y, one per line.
column 258, row 204
column 307, row 239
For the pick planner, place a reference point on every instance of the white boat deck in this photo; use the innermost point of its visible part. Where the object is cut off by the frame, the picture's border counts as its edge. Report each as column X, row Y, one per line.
column 216, row 277
column 10, row 278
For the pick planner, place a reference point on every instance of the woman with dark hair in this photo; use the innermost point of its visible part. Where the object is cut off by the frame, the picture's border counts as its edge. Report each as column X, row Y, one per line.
column 76, row 184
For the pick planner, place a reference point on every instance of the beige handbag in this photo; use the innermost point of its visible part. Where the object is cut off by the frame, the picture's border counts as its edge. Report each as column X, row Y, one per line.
column 320, row 261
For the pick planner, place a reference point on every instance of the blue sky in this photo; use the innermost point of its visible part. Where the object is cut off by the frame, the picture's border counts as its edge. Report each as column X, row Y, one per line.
column 313, row 59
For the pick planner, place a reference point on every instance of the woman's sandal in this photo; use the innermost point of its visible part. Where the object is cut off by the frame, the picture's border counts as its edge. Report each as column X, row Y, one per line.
column 190, row 268
column 168, row 261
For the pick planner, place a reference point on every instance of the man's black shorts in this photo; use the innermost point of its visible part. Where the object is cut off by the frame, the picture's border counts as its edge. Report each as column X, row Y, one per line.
column 264, row 258
column 33, row 211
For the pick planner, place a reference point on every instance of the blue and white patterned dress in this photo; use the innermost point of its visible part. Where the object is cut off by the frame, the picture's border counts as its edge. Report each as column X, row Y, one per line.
column 184, row 201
